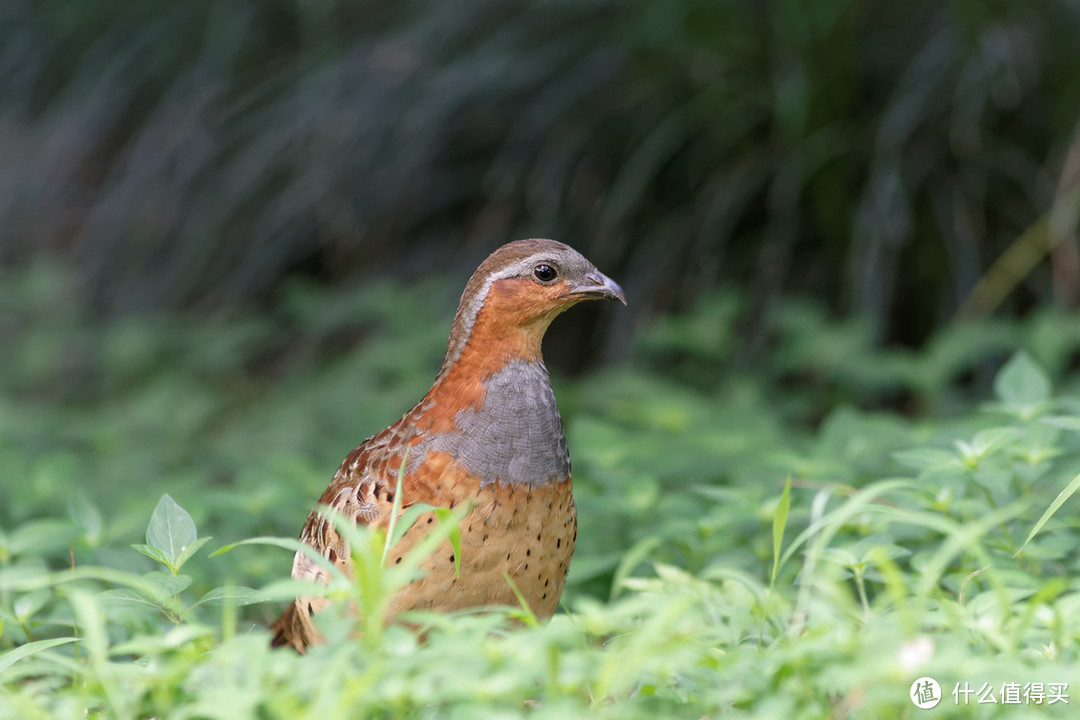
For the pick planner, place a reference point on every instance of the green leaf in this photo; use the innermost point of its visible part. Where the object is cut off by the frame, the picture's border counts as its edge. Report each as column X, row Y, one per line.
column 1064, row 495
column 288, row 544
column 156, row 588
column 408, row 519
column 171, row 530
column 1065, row 422
column 166, row 585
column 924, row 459
column 526, row 616
column 31, row 648
column 840, row 556
column 85, row 515
column 779, row 525
column 233, row 595
column 630, row 560
column 40, row 536
column 154, row 554
column 1021, row 385
column 991, row 439
column 125, row 597
column 446, row 515
column 395, row 508
column 191, row 550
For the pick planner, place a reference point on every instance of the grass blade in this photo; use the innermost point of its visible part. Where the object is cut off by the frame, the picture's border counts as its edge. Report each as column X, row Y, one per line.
column 1064, row 495
column 778, row 526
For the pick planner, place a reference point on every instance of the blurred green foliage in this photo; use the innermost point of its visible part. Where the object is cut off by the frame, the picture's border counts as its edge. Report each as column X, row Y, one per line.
column 879, row 157
column 751, row 543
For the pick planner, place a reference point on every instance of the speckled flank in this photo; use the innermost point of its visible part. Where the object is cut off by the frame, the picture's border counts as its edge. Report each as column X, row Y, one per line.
column 527, row 533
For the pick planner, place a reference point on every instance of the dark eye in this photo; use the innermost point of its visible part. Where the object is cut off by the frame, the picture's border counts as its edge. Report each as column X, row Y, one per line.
column 544, row 273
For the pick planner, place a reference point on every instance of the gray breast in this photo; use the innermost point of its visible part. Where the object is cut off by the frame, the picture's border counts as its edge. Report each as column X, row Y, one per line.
column 516, row 437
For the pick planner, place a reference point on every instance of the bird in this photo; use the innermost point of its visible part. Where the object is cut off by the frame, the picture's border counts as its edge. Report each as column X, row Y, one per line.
column 487, row 433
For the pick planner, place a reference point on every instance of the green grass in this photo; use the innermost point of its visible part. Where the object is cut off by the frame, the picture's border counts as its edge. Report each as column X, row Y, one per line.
column 765, row 542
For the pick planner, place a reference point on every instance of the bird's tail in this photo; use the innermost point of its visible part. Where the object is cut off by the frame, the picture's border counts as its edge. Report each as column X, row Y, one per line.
column 289, row 630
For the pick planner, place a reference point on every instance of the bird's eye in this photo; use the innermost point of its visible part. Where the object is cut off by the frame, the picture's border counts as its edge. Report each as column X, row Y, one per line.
column 544, row 273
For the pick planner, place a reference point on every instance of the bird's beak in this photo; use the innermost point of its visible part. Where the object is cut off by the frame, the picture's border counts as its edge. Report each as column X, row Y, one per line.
column 598, row 286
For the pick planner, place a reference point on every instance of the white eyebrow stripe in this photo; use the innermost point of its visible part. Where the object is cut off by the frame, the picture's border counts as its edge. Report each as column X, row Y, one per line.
column 470, row 307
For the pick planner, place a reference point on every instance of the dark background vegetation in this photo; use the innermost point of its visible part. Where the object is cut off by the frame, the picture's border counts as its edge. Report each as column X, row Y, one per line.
column 875, row 156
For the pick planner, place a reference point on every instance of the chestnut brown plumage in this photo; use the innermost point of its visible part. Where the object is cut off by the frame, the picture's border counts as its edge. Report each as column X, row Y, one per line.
column 488, row 433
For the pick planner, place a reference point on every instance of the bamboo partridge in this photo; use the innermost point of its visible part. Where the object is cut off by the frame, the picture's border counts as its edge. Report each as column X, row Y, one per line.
column 488, row 433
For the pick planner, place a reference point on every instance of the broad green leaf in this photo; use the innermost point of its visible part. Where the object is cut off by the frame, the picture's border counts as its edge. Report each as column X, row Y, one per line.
column 85, row 515
column 923, row 459
column 1065, row 422
column 171, row 529
column 191, row 550
column 40, row 536
column 154, row 554
column 1022, row 385
column 989, row 440
column 125, row 597
column 166, row 584
column 29, row 603
column 24, row 651
column 840, row 556
column 232, row 595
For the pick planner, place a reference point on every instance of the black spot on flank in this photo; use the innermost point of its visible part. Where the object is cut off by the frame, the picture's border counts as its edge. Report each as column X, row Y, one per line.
column 310, row 610
column 451, row 558
column 429, row 520
column 539, row 576
column 544, row 596
column 485, row 538
column 546, row 583
column 558, row 543
column 526, row 566
column 575, row 536
column 507, row 556
column 398, row 561
column 539, row 534
column 528, row 553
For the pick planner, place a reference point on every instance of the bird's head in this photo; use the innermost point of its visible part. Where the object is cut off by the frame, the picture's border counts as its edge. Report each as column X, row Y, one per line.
column 518, row 290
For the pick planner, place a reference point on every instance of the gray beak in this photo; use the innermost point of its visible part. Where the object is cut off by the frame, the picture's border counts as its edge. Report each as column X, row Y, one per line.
column 598, row 286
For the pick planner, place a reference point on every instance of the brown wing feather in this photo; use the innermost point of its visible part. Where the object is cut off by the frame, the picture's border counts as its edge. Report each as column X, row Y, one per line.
column 362, row 490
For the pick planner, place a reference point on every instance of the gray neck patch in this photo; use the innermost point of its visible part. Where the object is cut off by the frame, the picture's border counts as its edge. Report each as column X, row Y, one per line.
column 515, row 438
